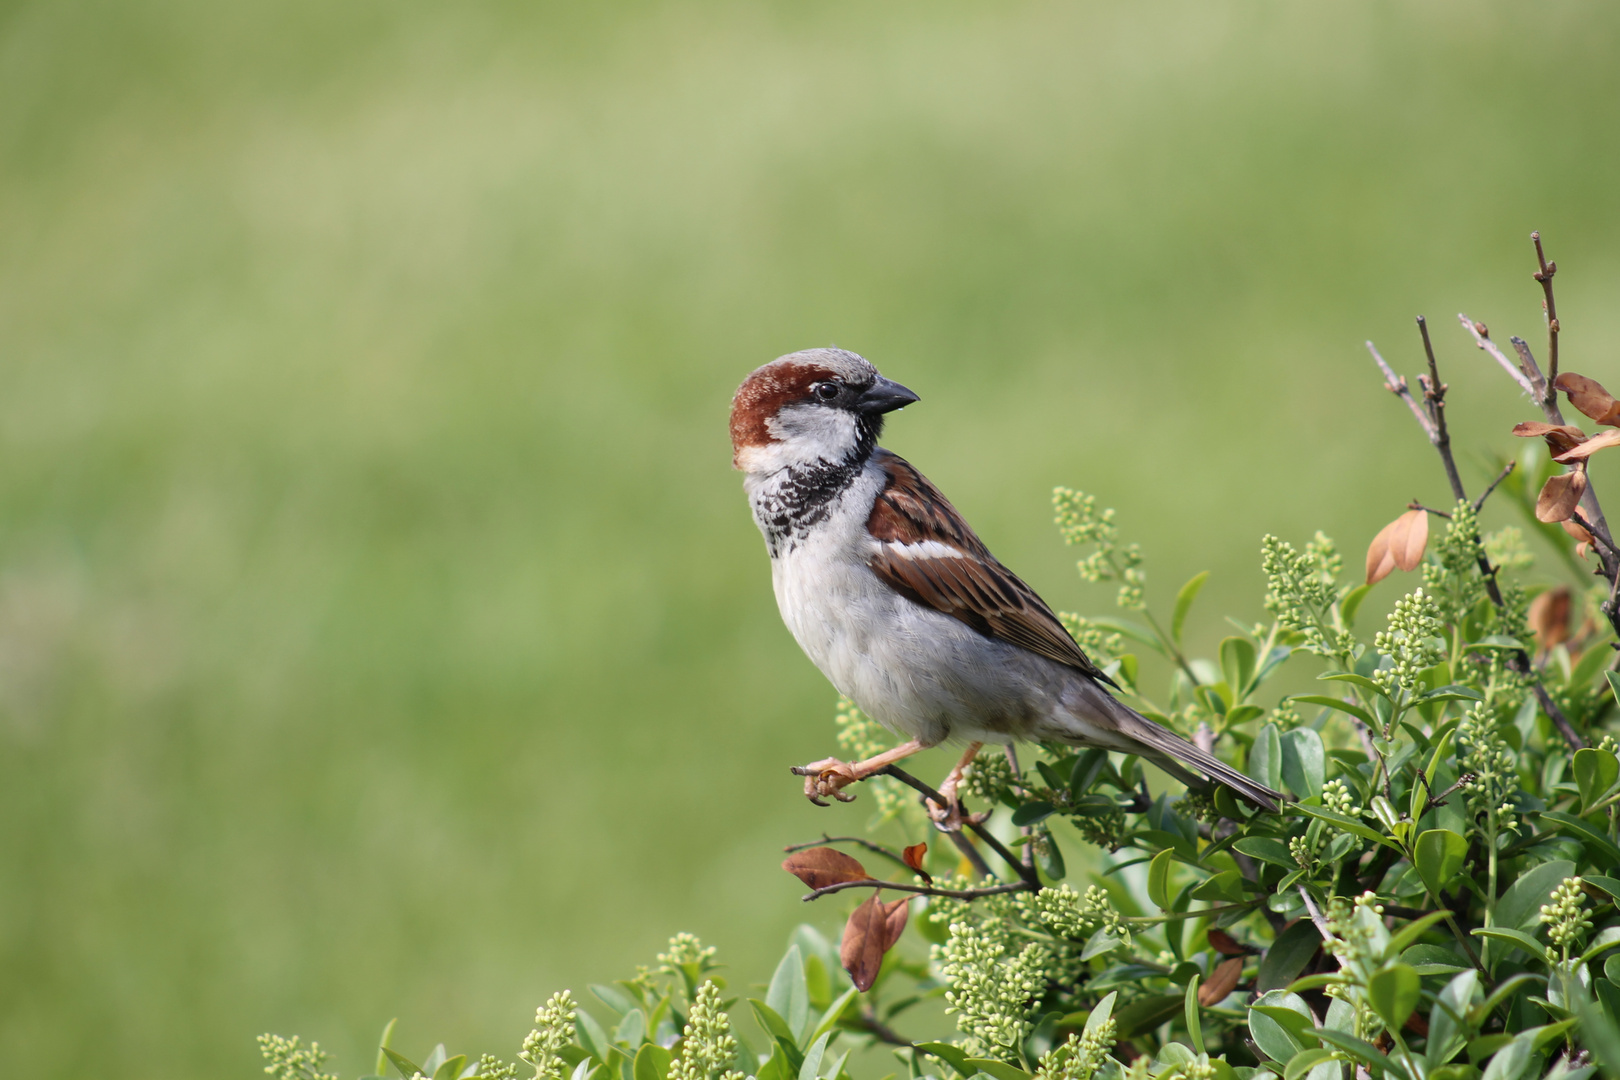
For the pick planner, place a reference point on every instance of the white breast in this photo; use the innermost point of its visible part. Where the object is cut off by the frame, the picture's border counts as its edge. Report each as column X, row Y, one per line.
column 919, row 672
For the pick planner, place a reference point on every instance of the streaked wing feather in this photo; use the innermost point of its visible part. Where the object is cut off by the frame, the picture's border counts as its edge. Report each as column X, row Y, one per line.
column 971, row 585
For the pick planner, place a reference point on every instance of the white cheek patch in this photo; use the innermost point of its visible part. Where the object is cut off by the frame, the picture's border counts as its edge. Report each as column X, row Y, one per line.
column 927, row 549
column 811, row 432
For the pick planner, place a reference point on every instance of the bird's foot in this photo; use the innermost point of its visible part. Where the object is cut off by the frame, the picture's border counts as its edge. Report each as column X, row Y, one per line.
column 950, row 818
column 829, row 776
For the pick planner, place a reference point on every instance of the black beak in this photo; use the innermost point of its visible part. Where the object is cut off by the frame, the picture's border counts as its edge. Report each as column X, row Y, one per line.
column 883, row 396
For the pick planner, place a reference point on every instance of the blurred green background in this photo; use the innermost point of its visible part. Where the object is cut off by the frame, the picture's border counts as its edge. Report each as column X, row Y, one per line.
column 382, row 631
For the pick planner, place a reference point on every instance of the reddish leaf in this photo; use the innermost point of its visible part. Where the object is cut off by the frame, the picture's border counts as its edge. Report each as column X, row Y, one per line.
column 1590, row 398
column 1549, row 617
column 872, row 930
column 1601, row 441
column 820, row 867
column 1558, row 439
column 1560, row 495
column 1225, row 944
column 914, row 859
column 1399, row 544
column 1222, row 981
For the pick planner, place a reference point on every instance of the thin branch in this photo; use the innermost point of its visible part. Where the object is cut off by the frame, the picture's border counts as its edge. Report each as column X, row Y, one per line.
column 1317, row 920
column 1396, row 384
column 1482, row 338
column 869, row 1023
column 1415, row 505
column 1030, row 880
column 1544, row 274
column 1175, row 916
column 1507, row 470
column 867, row 844
column 920, row 890
column 1433, row 426
column 1434, row 396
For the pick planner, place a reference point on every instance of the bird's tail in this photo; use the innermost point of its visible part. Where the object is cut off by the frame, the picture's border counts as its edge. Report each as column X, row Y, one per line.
column 1166, row 748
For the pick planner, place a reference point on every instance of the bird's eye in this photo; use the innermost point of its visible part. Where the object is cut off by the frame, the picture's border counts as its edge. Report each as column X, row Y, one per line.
column 826, row 391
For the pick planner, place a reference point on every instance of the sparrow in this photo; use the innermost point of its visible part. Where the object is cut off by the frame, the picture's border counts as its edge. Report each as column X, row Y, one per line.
column 900, row 604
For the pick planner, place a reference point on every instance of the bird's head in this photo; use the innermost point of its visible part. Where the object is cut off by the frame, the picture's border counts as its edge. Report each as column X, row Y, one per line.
column 815, row 405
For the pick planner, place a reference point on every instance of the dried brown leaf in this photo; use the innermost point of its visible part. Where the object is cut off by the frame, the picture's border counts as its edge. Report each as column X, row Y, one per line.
column 1601, row 441
column 1583, row 539
column 872, row 930
column 819, row 867
column 1222, row 981
column 1399, row 544
column 1559, row 438
column 913, row 857
column 1560, row 495
column 1589, row 397
column 1225, row 943
column 1549, row 617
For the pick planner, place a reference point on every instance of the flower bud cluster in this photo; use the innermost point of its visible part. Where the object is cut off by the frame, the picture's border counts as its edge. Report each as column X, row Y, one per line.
column 1336, row 797
column 708, row 1048
column 1080, row 1055
column 861, row 737
column 1077, row 916
column 1301, row 589
column 553, row 1030
column 1412, row 642
column 1483, row 752
column 290, row 1060
column 1565, row 917
column 991, row 989
column 1080, row 522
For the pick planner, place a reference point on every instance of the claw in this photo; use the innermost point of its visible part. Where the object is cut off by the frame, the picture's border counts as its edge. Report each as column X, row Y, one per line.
column 824, row 778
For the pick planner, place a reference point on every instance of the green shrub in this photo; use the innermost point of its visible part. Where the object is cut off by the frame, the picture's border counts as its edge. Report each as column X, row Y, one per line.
column 1437, row 901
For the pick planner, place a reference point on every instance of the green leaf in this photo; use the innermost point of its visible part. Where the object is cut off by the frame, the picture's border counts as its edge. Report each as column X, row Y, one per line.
column 1304, row 762
column 1343, row 706
column 1608, row 854
column 1420, row 792
column 1497, row 641
column 1518, row 937
column 382, row 1046
column 407, row 1068
column 829, row 1019
column 1099, row 1015
column 614, row 998
column 998, row 1069
column 1227, row 885
column 1500, row 993
column 1265, row 757
column 1032, row 812
column 1158, row 878
column 1237, row 665
column 1352, row 603
column 778, row 1067
column 1147, row 1013
column 1288, row 956
column 1595, row 773
column 1510, row 1062
column 1268, row 850
column 812, row 1058
column 1448, row 1032
column 1195, row 1030
column 1304, row 1061
column 1348, row 824
column 1355, row 680
column 1099, row 943
column 1439, row 855
column 950, row 1054
column 632, row 1030
column 1412, row 931
column 1520, row 905
column 1361, row 1048
column 771, row 1020
column 1614, row 685
column 652, row 1063
column 591, row 1036
column 1184, row 602
column 789, row 993
column 1279, row 1022
column 1607, row 884
column 1393, row 994
column 1454, row 692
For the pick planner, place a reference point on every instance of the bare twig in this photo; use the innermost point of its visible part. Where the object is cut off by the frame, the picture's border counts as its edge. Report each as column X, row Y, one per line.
column 1544, row 274
column 1415, row 505
column 867, row 844
column 1433, row 423
column 1507, row 470
column 1396, row 384
column 1317, row 920
column 1482, row 337
column 1031, row 881
column 921, row 890
column 869, row 1023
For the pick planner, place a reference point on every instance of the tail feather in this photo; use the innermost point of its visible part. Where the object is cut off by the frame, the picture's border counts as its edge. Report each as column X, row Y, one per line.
column 1163, row 743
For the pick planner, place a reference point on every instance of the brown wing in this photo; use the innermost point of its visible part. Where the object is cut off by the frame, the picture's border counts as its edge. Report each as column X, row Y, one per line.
column 929, row 554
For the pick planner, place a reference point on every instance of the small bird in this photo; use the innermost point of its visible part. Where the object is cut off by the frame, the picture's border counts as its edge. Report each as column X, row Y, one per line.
column 901, row 605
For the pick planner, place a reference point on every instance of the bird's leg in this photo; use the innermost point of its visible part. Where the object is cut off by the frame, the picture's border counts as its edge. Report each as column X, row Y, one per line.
column 949, row 817
column 830, row 776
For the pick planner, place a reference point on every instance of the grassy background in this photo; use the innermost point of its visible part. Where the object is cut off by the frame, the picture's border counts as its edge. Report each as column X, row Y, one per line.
column 381, row 629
